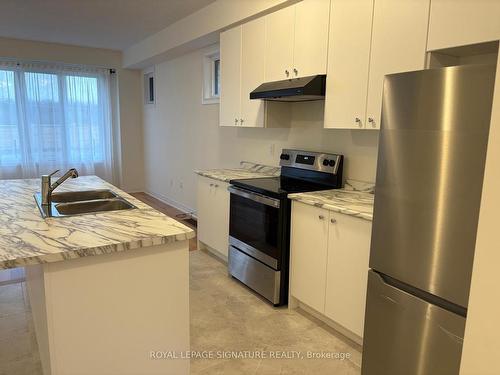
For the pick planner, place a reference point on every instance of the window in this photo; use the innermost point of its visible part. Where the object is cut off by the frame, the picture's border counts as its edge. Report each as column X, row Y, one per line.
column 9, row 132
column 54, row 118
column 211, row 76
column 149, row 88
column 216, row 77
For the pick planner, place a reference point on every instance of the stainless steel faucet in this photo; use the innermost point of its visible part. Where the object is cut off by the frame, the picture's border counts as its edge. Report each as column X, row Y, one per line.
column 48, row 188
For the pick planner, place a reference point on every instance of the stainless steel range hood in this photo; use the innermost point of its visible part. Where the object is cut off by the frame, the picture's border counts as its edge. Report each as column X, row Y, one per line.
column 292, row 90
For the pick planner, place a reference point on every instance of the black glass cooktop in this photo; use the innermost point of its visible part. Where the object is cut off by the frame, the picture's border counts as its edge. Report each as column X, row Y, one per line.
column 278, row 187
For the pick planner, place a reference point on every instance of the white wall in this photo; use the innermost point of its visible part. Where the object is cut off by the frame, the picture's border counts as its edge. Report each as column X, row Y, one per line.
column 482, row 330
column 129, row 95
column 130, row 102
column 181, row 135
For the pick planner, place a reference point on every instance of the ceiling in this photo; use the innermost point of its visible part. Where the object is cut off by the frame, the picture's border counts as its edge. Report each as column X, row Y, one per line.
column 112, row 24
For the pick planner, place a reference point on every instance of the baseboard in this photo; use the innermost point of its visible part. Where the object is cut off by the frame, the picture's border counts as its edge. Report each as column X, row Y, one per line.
column 351, row 336
column 173, row 203
column 212, row 252
column 134, row 191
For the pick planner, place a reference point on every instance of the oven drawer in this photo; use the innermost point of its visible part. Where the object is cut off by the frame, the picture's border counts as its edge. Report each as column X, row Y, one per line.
column 256, row 221
column 256, row 275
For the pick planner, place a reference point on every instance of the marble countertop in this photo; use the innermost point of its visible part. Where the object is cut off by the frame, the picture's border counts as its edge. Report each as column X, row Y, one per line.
column 356, row 199
column 246, row 170
column 26, row 238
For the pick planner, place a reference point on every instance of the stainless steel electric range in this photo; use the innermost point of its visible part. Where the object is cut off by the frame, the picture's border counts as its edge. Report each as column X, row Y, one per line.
column 259, row 219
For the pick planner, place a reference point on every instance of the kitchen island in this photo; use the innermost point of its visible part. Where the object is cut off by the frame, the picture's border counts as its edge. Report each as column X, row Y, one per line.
column 106, row 289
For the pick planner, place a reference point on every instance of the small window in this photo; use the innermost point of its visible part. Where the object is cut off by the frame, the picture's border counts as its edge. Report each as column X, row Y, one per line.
column 149, row 88
column 216, row 85
column 211, row 77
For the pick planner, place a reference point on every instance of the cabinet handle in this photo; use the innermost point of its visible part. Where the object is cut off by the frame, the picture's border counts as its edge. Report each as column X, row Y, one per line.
column 287, row 72
column 211, row 185
column 216, row 185
column 321, row 217
column 333, row 221
column 358, row 121
column 241, row 121
column 235, row 121
column 295, row 71
column 371, row 120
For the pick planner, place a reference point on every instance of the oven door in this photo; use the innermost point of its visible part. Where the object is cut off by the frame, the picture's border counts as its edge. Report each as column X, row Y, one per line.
column 255, row 226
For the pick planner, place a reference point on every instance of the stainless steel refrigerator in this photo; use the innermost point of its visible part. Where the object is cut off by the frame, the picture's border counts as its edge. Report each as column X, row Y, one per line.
column 432, row 149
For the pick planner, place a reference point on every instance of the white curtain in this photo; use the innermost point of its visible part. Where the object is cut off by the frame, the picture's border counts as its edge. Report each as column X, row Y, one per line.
column 54, row 117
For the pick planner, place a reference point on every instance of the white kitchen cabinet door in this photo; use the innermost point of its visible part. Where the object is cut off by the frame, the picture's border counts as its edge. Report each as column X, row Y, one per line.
column 399, row 37
column 279, row 44
column 347, row 271
column 213, row 214
column 253, row 48
column 220, row 217
column 230, row 77
column 348, row 61
column 205, row 231
column 308, row 252
column 459, row 23
column 311, row 37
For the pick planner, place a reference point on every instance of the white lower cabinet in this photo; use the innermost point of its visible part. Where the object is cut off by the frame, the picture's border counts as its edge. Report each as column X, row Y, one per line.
column 347, row 270
column 329, row 264
column 213, row 215
column 309, row 246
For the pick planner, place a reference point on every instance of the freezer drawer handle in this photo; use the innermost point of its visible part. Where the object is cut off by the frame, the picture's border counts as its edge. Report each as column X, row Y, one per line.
column 426, row 296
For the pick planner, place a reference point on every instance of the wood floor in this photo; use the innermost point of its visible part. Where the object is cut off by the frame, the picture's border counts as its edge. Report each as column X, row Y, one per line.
column 168, row 210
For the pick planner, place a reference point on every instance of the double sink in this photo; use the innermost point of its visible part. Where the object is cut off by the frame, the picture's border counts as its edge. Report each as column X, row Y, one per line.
column 82, row 202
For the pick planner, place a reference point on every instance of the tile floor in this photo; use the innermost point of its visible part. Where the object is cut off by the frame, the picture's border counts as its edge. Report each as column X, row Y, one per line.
column 225, row 316
column 18, row 347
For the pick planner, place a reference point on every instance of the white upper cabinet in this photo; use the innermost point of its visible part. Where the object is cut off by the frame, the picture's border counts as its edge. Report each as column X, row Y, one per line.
column 312, row 19
column 399, row 39
column 356, row 42
column 279, row 44
column 459, row 23
column 297, row 40
column 348, row 62
column 230, row 77
column 369, row 39
column 289, row 43
column 252, row 71
column 242, row 70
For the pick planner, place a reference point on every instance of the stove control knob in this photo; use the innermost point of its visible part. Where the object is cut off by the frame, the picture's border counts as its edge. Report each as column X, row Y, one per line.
column 326, row 162
column 285, row 157
column 331, row 163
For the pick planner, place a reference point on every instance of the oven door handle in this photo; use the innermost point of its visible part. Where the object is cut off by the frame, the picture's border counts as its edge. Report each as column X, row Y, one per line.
column 273, row 202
